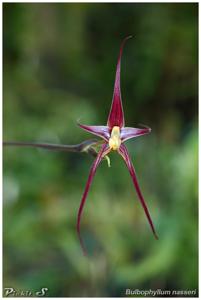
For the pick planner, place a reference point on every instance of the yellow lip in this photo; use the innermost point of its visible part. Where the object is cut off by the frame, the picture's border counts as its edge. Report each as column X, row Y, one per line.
column 115, row 140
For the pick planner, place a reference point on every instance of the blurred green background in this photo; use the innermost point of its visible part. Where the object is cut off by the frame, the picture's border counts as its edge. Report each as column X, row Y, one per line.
column 59, row 66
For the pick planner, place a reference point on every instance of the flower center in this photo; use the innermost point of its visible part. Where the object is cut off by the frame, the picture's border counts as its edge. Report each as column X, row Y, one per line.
column 115, row 140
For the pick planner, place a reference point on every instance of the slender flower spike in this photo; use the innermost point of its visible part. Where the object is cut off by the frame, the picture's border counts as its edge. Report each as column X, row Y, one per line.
column 114, row 136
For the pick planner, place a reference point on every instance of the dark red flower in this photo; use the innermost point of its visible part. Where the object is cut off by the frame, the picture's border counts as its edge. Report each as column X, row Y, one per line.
column 114, row 136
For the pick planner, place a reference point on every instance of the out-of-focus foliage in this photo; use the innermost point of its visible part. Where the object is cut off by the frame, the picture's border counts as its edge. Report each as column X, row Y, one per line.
column 59, row 66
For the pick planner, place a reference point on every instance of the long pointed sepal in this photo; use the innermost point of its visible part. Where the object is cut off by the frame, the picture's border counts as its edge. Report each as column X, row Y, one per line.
column 100, row 156
column 124, row 153
column 116, row 115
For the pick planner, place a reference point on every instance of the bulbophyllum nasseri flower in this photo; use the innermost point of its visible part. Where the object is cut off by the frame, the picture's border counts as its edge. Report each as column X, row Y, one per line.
column 114, row 134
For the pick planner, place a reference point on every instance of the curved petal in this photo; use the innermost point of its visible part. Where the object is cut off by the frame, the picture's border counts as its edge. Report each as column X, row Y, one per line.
column 101, row 131
column 124, row 153
column 130, row 132
column 116, row 115
column 104, row 150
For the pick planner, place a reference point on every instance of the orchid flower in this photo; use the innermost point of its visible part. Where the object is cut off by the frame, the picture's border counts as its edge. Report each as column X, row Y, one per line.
column 114, row 134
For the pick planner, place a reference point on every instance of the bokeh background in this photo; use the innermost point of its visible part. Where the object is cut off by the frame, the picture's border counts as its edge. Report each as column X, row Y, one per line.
column 59, row 66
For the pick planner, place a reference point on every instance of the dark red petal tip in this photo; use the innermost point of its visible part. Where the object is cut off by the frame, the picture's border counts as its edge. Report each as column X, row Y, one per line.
column 124, row 153
column 116, row 115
